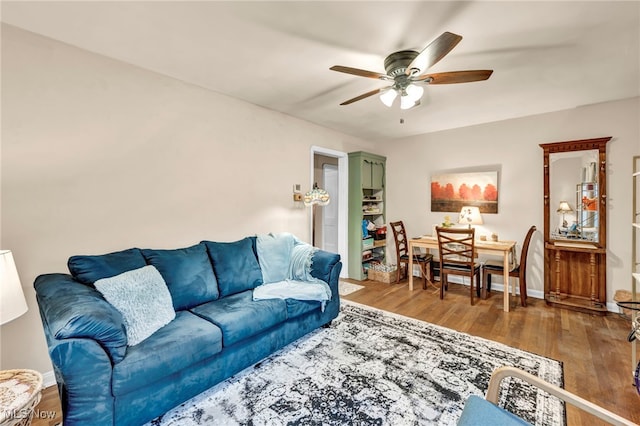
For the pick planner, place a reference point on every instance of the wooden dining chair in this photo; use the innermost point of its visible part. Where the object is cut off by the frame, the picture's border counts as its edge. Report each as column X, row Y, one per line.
column 402, row 254
column 519, row 270
column 457, row 251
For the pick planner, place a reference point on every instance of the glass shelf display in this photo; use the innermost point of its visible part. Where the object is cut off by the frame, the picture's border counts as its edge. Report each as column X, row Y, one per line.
column 587, row 213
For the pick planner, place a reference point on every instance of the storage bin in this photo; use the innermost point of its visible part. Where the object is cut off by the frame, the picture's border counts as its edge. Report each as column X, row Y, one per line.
column 383, row 277
column 367, row 243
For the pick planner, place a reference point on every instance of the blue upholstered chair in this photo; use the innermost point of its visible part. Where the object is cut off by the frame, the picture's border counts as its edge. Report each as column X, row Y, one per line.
column 485, row 412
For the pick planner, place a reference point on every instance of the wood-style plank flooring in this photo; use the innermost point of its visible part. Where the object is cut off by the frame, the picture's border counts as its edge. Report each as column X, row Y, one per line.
column 593, row 349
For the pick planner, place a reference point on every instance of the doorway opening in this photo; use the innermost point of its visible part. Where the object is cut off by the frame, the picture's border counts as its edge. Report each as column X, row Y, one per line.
column 328, row 224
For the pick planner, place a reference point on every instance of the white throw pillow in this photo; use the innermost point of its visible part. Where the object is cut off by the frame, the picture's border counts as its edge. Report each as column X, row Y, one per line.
column 143, row 299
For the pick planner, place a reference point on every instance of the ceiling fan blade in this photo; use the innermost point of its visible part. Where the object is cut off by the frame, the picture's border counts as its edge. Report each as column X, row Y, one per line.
column 360, row 73
column 452, row 77
column 364, row 95
column 431, row 54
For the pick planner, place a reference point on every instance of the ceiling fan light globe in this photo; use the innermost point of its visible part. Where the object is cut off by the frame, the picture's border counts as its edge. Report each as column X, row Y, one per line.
column 406, row 102
column 414, row 92
column 387, row 97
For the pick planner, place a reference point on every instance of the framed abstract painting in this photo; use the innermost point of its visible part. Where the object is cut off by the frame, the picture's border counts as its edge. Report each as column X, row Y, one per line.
column 449, row 192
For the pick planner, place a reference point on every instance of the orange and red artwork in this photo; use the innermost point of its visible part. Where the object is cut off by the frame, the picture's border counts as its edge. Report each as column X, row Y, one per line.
column 449, row 192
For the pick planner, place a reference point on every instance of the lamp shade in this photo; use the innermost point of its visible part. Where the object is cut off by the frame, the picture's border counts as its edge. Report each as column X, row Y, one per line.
column 388, row 96
column 12, row 301
column 564, row 207
column 414, row 92
column 470, row 215
column 316, row 196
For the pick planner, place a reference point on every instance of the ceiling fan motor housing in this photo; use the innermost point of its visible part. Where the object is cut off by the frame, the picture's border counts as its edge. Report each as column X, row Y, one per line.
column 396, row 64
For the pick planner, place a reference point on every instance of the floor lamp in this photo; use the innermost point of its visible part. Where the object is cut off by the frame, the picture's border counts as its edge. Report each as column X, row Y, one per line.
column 12, row 301
column 313, row 198
column 20, row 388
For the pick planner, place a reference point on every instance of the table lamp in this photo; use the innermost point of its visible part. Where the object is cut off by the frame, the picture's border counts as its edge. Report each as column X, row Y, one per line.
column 470, row 215
column 12, row 301
column 564, row 208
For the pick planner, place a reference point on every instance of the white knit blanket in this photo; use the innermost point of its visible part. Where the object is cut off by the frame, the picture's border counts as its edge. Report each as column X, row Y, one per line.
column 278, row 250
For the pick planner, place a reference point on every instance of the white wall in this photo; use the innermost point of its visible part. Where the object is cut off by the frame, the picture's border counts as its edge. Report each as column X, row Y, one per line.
column 511, row 147
column 98, row 156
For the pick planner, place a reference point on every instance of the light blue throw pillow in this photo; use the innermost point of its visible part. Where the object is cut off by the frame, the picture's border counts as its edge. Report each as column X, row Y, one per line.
column 274, row 255
column 143, row 299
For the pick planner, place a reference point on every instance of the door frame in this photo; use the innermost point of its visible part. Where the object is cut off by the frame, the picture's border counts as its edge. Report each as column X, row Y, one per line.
column 343, row 197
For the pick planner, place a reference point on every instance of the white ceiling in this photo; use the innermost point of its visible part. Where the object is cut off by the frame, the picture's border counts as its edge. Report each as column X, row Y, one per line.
column 546, row 56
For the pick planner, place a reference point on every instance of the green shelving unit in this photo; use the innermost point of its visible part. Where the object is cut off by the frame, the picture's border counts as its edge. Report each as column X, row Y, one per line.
column 366, row 202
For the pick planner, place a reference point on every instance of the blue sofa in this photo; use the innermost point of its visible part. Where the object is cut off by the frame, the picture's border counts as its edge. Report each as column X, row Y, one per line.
column 218, row 328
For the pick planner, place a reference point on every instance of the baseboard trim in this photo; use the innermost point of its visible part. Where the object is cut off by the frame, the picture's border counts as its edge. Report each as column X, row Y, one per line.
column 536, row 294
column 48, row 379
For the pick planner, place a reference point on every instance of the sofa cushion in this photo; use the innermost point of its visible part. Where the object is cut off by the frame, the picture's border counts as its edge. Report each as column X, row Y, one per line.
column 90, row 268
column 240, row 317
column 295, row 308
column 142, row 297
column 183, row 342
column 76, row 310
column 188, row 274
column 235, row 264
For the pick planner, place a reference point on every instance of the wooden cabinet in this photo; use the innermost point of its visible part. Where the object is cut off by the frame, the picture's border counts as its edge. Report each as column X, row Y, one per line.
column 366, row 203
column 372, row 172
column 575, row 252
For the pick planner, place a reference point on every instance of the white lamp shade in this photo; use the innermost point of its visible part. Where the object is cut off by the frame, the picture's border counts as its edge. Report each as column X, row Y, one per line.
column 406, row 102
column 387, row 97
column 564, row 207
column 12, row 301
column 414, row 92
column 470, row 215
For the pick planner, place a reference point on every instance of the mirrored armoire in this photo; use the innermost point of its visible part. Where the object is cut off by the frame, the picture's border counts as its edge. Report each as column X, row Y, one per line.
column 575, row 224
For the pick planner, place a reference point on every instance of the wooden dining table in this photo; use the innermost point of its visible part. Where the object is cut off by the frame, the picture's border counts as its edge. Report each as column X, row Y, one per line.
column 493, row 248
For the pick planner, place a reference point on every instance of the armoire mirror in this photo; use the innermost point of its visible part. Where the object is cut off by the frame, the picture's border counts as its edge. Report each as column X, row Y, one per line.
column 575, row 225
column 573, row 193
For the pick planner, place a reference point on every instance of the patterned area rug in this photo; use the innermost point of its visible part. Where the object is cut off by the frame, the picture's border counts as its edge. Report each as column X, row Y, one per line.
column 373, row 368
column 345, row 288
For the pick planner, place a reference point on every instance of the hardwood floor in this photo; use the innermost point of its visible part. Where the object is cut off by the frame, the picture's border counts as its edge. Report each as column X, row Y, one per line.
column 48, row 411
column 594, row 349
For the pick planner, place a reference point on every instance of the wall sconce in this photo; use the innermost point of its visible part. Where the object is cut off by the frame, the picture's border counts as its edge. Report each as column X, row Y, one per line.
column 316, row 196
column 564, row 208
column 297, row 195
column 470, row 215
column 313, row 198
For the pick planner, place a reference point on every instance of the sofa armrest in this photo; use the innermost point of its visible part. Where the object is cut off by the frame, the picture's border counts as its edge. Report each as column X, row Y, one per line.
column 323, row 264
column 326, row 266
column 70, row 309
column 83, row 373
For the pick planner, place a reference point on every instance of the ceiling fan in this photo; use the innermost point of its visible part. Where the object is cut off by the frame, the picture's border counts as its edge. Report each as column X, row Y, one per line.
column 407, row 70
